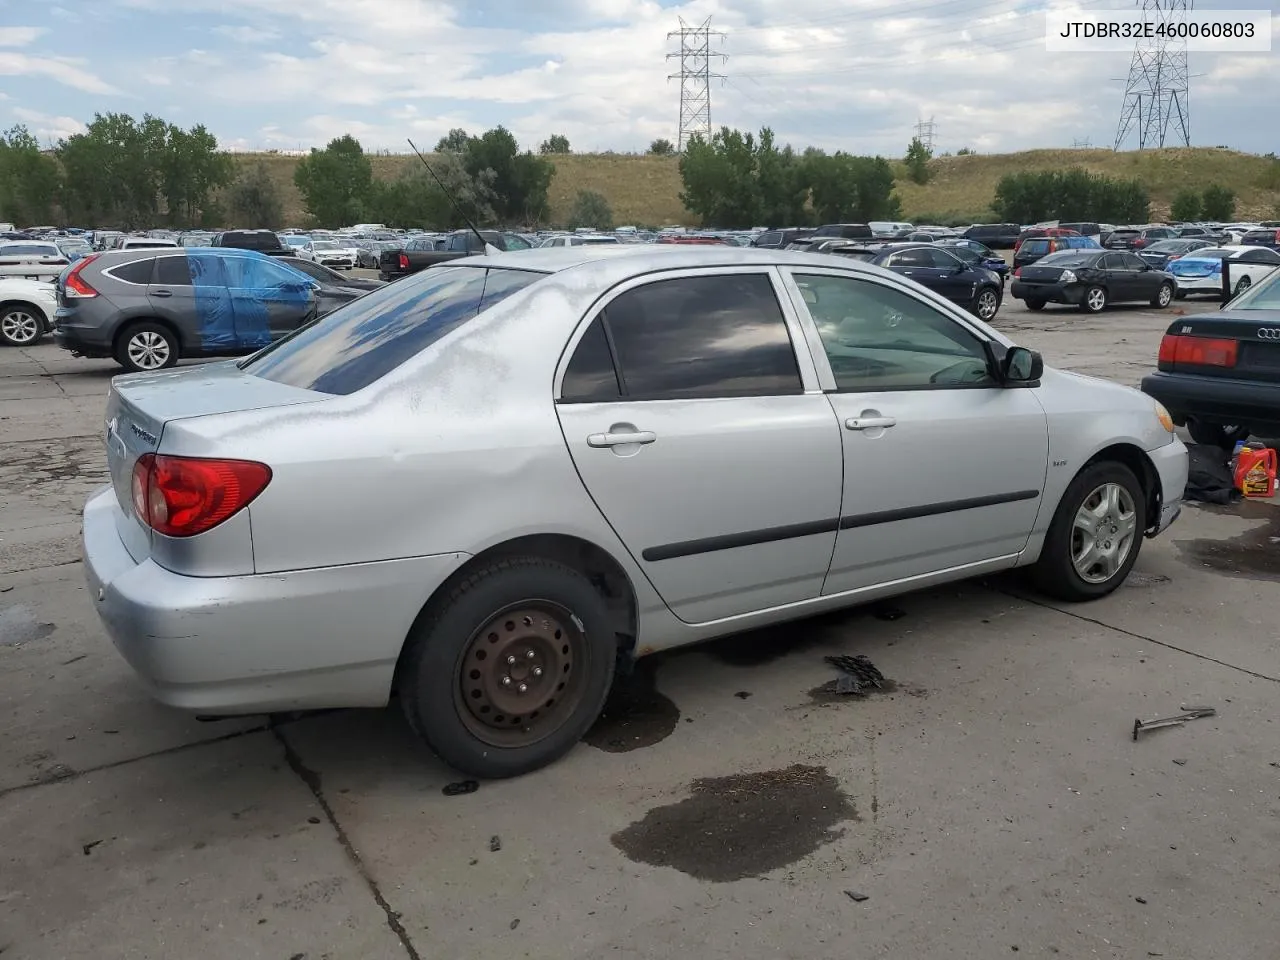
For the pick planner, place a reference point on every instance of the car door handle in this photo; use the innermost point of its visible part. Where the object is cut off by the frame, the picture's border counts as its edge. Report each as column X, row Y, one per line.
column 619, row 439
column 162, row 293
column 869, row 423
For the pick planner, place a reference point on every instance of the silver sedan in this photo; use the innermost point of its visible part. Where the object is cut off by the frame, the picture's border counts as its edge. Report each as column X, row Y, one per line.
column 485, row 485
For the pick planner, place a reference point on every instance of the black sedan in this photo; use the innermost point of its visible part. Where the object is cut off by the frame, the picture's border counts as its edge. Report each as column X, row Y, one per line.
column 974, row 253
column 973, row 287
column 1092, row 279
column 335, row 288
column 1161, row 253
column 1219, row 373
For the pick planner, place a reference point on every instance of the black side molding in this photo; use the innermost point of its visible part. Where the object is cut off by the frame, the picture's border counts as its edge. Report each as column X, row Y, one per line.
column 792, row 531
column 935, row 509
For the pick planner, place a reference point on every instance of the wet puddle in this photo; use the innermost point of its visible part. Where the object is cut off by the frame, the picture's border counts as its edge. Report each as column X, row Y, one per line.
column 636, row 714
column 743, row 825
column 1254, row 554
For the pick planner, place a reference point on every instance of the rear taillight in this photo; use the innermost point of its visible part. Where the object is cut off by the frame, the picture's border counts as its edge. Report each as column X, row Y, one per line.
column 184, row 496
column 1198, row 351
column 1017, row 271
column 404, row 262
column 75, row 286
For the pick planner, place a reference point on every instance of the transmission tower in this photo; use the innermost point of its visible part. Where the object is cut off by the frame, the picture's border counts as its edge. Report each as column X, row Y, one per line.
column 1158, row 91
column 695, row 77
column 924, row 133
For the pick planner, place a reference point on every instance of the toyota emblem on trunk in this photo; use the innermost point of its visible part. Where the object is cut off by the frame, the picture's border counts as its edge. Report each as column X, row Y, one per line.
column 1269, row 333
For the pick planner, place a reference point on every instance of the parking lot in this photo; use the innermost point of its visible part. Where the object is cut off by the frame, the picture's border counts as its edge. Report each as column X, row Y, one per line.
column 990, row 801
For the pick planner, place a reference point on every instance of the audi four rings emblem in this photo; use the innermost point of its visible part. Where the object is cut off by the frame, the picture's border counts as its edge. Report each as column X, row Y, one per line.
column 1269, row 333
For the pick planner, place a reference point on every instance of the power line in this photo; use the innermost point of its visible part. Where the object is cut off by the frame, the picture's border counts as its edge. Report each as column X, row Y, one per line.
column 924, row 133
column 695, row 78
column 1158, row 91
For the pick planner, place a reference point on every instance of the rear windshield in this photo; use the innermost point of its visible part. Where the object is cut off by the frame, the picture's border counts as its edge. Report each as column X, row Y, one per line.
column 1068, row 258
column 1035, row 245
column 1212, row 253
column 361, row 342
column 1125, row 233
column 1260, row 236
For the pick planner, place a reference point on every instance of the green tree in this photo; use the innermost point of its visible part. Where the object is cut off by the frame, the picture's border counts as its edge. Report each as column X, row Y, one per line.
column 556, row 143
column 1218, row 203
column 520, row 181
column 191, row 168
column 1072, row 194
column 455, row 141
column 414, row 199
column 918, row 157
column 591, row 209
column 335, row 182
column 254, row 199
column 719, row 179
column 1186, row 206
column 29, row 180
column 662, row 148
column 783, row 190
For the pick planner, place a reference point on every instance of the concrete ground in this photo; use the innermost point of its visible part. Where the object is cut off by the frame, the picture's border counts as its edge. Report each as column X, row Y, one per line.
column 991, row 802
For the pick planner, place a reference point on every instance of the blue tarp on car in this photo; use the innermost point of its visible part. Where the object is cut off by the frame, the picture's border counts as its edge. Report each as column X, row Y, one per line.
column 235, row 291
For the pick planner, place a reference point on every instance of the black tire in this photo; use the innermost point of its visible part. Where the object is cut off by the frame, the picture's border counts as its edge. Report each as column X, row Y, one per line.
column 1245, row 283
column 146, row 346
column 1055, row 572
column 1034, row 304
column 1094, row 300
column 443, row 701
column 985, row 301
column 1216, row 434
column 1164, row 296
column 21, row 324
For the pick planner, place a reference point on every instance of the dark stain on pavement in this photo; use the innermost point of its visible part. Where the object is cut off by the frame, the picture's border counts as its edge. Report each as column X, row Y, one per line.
column 1253, row 555
column 743, row 825
column 636, row 714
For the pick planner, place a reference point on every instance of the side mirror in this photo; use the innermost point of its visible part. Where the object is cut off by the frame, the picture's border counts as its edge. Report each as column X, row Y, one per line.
column 1021, row 365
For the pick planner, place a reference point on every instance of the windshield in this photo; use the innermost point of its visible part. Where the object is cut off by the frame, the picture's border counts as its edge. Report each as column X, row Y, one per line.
column 295, row 241
column 1263, row 295
column 324, row 245
column 1171, row 246
column 358, row 343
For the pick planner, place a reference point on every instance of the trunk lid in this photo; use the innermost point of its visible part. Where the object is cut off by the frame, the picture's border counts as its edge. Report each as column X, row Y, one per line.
column 1258, row 333
column 140, row 405
column 1037, row 274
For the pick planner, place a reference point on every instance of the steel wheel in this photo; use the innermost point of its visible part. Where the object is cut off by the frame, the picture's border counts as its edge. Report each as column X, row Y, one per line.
column 20, row 328
column 987, row 305
column 519, row 677
column 148, row 350
column 1102, row 533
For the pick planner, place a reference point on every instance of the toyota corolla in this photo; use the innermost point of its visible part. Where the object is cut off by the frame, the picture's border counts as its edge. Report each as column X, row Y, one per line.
column 485, row 485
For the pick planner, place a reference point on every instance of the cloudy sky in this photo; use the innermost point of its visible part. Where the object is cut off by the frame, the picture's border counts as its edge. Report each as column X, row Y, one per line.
column 847, row 74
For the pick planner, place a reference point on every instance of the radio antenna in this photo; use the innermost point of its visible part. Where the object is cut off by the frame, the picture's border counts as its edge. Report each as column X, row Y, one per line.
column 485, row 245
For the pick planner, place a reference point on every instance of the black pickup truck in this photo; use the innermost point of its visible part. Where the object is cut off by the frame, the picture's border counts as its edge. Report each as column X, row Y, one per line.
column 420, row 254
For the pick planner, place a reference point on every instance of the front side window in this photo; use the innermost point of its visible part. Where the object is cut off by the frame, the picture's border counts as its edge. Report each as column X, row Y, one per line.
column 367, row 338
column 879, row 338
column 258, row 274
column 712, row 336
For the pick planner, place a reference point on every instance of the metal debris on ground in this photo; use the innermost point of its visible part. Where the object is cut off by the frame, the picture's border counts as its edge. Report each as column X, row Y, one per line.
column 1188, row 713
column 1180, row 762
column 459, row 788
column 857, row 674
column 856, row 897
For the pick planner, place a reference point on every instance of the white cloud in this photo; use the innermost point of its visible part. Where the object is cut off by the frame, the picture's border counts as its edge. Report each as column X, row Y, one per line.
column 54, row 68
column 48, row 129
column 241, row 33
column 20, row 36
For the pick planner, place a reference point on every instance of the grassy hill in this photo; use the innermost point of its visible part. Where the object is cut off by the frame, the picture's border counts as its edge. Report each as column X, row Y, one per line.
column 645, row 190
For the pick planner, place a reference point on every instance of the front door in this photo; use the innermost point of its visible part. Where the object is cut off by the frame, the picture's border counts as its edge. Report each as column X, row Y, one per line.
column 268, row 299
column 707, row 446
column 944, row 468
column 216, row 321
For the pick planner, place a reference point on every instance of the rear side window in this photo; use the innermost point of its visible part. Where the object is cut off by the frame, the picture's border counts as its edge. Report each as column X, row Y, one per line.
column 591, row 376
column 716, row 336
column 172, row 271
column 366, row 339
column 139, row 271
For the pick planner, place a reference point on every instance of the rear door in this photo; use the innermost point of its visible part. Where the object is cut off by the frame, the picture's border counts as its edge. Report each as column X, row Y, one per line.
column 707, row 445
column 173, row 297
column 1139, row 280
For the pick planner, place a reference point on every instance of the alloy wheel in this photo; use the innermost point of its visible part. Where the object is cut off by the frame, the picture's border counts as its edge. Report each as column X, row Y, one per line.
column 1103, row 532
column 19, row 327
column 148, row 350
column 1097, row 299
column 988, row 304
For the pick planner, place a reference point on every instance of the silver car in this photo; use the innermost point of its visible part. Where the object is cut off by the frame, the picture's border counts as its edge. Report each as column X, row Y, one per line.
column 482, row 486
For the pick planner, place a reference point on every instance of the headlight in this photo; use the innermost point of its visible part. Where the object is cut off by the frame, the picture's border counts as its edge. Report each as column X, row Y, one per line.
column 1162, row 415
column 1067, row 277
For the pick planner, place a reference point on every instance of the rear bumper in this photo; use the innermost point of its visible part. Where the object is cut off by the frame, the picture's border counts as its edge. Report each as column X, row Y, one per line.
column 1222, row 400
column 1171, row 466
column 85, row 340
column 1048, row 292
column 1209, row 284
column 306, row 639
